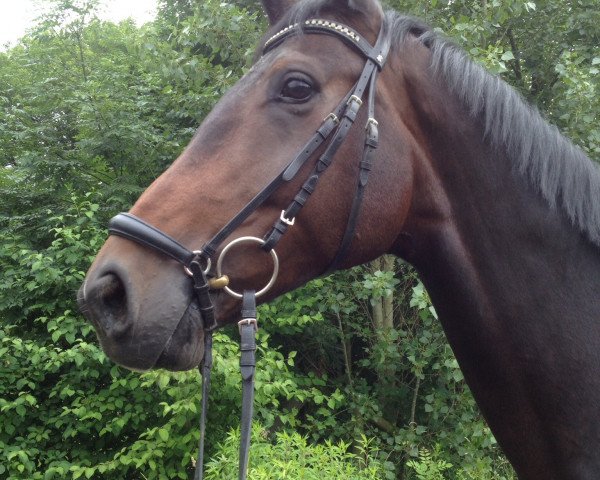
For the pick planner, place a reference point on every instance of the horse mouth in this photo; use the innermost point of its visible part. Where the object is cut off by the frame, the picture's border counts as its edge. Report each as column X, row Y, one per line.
column 141, row 345
column 184, row 350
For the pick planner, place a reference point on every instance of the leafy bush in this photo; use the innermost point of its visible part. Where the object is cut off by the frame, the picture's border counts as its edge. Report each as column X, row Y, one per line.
column 291, row 457
column 427, row 467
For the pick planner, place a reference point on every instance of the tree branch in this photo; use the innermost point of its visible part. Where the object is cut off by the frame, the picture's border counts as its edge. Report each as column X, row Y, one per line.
column 516, row 54
column 413, row 405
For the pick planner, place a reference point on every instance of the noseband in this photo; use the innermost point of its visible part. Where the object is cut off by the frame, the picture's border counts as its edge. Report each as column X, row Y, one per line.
column 332, row 132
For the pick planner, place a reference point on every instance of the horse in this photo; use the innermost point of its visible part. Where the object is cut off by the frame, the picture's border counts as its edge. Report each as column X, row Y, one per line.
column 498, row 212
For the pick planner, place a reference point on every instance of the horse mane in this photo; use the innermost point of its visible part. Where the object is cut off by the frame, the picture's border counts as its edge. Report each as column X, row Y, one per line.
column 564, row 176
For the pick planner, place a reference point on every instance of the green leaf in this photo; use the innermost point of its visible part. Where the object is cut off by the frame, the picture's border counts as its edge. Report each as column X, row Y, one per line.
column 457, row 376
column 508, row 55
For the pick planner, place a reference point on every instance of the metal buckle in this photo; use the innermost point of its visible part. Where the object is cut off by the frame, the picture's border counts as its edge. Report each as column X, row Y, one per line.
column 198, row 253
column 287, row 221
column 370, row 121
column 248, row 321
column 373, row 121
column 333, row 116
column 354, row 98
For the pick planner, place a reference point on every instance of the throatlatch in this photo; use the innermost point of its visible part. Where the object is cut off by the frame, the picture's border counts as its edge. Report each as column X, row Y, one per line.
column 198, row 263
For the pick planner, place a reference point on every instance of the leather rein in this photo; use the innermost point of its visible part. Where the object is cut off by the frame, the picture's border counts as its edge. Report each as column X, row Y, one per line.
column 198, row 263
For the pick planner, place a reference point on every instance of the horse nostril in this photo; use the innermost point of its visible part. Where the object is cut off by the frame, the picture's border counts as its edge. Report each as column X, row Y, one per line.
column 107, row 300
column 113, row 294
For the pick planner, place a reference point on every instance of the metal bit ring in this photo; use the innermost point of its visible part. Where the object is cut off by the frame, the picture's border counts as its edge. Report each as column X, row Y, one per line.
column 198, row 253
column 259, row 241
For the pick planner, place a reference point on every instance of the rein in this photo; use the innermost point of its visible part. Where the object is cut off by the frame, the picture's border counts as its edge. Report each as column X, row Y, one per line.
column 198, row 264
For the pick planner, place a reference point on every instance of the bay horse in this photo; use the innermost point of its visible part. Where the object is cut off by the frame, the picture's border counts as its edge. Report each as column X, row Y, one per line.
column 498, row 212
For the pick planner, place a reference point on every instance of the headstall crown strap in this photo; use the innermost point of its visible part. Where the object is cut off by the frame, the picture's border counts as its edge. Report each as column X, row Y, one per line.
column 334, row 129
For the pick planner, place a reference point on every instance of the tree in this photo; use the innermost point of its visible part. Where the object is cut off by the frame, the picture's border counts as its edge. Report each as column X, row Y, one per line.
column 546, row 49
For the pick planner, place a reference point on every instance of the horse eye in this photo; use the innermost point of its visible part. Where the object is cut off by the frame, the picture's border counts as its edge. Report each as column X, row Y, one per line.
column 296, row 90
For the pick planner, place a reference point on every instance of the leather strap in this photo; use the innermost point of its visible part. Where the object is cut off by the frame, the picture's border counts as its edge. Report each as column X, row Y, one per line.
column 248, row 330
column 368, row 79
column 288, row 216
column 350, row 36
column 289, row 172
column 202, row 291
column 365, row 166
column 133, row 228
column 205, row 371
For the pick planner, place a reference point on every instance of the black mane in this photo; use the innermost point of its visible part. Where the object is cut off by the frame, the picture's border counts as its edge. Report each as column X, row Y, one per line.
column 557, row 169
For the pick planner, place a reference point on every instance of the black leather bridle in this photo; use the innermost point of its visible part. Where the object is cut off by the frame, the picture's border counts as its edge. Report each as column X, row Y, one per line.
column 334, row 129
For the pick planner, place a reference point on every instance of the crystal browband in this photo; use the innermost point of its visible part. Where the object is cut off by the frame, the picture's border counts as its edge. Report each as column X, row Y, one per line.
column 326, row 24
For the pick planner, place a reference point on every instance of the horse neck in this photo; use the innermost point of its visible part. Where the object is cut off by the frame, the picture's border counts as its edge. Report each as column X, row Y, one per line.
column 516, row 288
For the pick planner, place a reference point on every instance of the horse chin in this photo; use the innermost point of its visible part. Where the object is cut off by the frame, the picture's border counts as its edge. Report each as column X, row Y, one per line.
column 185, row 348
column 154, row 345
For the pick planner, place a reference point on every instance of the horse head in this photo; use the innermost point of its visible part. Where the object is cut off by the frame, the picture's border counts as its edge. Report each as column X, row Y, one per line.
column 141, row 302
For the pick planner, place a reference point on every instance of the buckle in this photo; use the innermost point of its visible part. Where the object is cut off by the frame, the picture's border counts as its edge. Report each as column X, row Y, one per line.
column 333, row 116
column 287, row 221
column 354, row 98
column 373, row 121
column 248, row 321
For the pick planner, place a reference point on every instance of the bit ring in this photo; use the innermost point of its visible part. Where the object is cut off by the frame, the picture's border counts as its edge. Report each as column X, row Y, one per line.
column 260, row 242
column 198, row 253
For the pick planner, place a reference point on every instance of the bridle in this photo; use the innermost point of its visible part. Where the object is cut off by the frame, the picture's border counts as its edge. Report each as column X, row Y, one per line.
column 198, row 264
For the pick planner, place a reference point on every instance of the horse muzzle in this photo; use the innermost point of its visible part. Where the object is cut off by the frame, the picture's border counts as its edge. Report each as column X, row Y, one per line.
column 143, row 323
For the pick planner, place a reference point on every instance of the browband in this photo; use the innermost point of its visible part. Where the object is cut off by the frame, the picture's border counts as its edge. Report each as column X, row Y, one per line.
column 377, row 54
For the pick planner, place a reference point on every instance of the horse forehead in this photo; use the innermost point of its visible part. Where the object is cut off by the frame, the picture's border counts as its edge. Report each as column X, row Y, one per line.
column 314, row 51
column 323, row 61
column 331, row 63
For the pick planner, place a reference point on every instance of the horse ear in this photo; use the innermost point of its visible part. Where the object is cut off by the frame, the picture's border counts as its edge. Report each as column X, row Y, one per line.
column 275, row 9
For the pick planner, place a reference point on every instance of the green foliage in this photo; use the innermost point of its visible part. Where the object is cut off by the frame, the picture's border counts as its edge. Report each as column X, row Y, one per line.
column 577, row 98
column 291, row 457
column 427, row 468
column 89, row 105
column 403, row 388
